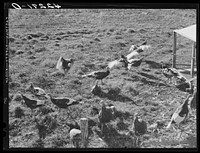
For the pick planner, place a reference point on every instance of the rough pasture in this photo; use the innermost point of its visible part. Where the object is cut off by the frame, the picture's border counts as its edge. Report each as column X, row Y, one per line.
column 94, row 37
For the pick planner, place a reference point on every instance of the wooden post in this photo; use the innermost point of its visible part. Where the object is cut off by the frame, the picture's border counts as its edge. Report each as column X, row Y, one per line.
column 84, row 131
column 192, row 60
column 174, row 51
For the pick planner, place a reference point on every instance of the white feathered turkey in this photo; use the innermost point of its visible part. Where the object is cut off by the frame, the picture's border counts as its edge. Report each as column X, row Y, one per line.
column 180, row 114
column 36, row 90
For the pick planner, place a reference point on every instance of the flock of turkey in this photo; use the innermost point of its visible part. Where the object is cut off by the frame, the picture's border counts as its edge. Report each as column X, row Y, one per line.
column 107, row 113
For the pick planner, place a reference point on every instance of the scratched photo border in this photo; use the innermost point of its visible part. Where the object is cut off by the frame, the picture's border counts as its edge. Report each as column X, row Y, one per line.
column 50, row 5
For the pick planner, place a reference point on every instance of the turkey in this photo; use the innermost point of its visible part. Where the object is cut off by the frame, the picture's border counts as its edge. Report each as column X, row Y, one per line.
column 62, row 102
column 73, row 126
column 75, row 137
column 106, row 114
column 122, row 62
column 142, row 47
column 98, row 75
column 140, row 127
column 36, row 90
column 180, row 114
column 133, row 54
column 167, row 74
column 63, row 65
column 193, row 100
column 177, row 75
column 186, row 85
column 32, row 103
column 134, row 62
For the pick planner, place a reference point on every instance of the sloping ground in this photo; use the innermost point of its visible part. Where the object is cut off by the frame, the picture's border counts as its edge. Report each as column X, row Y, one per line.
column 37, row 38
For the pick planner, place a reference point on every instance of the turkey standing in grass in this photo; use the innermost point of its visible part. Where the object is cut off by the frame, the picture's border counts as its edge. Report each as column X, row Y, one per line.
column 73, row 126
column 31, row 103
column 62, row 102
column 168, row 75
column 106, row 114
column 177, row 75
column 98, row 75
column 75, row 137
column 36, row 90
column 193, row 100
column 140, row 127
column 180, row 114
column 63, row 65
column 122, row 62
column 134, row 62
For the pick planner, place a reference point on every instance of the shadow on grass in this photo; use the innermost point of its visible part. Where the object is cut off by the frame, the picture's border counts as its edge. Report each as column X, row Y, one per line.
column 154, row 83
column 112, row 94
column 149, row 76
column 153, row 64
column 183, row 86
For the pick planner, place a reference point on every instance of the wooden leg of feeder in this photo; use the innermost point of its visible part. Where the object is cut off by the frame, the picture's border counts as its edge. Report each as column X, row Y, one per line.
column 174, row 51
column 84, row 131
column 192, row 60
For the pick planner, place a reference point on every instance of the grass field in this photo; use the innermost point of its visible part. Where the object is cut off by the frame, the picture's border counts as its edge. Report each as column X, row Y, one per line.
column 94, row 37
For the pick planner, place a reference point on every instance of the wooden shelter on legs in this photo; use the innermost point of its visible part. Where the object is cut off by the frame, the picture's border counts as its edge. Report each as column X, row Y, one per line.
column 190, row 33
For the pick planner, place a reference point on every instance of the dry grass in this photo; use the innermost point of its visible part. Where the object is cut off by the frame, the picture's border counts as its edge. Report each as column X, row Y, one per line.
column 94, row 37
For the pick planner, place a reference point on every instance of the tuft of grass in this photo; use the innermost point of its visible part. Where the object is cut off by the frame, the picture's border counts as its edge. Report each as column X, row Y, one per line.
column 43, row 12
column 34, row 41
column 45, row 125
column 19, row 112
column 11, row 39
column 38, row 144
column 50, row 122
column 44, row 81
column 14, row 85
column 74, row 112
column 59, row 141
column 131, row 90
column 45, row 110
column 14, row 127
column 40, row 49
column 48, row 63
column 122, row 114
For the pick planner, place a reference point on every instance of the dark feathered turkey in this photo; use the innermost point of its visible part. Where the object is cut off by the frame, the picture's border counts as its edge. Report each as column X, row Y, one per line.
column 31, row 103
column 63, row 102
column 140, row 126
column 66, row 63
column 63, row 65
column 98, row 75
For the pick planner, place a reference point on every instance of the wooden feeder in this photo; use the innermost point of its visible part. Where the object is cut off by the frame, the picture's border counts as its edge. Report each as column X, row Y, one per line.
column 190, row 33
